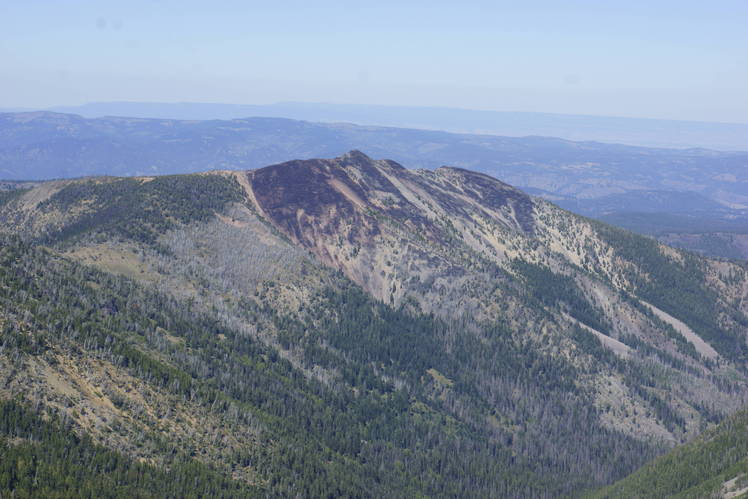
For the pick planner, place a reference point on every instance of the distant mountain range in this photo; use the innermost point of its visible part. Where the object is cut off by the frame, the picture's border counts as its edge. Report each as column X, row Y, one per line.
column 49, row 145
column 633, row 131
column 693, row 190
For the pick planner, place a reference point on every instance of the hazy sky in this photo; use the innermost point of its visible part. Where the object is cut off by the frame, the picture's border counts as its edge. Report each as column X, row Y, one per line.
column 681, row 59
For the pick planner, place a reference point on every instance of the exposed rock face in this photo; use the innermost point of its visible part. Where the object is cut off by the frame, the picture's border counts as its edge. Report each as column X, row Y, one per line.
column 381, row 222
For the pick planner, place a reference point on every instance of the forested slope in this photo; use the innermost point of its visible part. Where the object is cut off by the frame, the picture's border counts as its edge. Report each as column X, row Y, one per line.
column 349, row 327
column 714, row 465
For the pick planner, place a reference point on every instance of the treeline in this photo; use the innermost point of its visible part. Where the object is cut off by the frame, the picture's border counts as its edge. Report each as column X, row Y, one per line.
column 139, row 210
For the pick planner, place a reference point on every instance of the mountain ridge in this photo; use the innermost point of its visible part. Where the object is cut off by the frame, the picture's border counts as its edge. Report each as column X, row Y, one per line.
column 584, row 176
column 638, row 131
column 230, row 142
column 355, row 318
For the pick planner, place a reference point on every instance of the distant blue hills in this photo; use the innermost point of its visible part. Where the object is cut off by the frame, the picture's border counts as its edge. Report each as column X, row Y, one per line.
column 649, row 190
column 632, row 131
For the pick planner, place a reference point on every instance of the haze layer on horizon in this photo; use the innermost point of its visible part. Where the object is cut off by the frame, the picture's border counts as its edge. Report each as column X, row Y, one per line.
column 668, row 60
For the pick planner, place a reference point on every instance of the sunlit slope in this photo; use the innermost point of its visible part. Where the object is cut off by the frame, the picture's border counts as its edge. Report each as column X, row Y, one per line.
column 328, row 324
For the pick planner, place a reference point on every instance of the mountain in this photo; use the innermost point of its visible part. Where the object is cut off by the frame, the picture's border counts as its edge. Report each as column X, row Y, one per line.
column 612, row 182
column 48, row 145
column 617, row 130
column 713, row 465
column 350, row 327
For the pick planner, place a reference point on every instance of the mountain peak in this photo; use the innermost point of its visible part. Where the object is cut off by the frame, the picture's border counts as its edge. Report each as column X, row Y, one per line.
column 356, row 156
column 351, row 204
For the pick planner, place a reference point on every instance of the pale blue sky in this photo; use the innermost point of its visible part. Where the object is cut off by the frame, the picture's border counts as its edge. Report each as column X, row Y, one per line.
column 659, row 59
